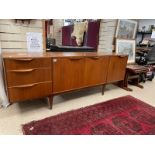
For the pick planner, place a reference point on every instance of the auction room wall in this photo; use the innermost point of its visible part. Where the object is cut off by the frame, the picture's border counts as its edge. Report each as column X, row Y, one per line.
column 13, row 35
column 57, row 30
column 3, row 98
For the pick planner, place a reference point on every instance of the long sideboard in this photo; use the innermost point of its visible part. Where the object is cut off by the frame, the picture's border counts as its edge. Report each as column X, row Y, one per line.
column 37, row 75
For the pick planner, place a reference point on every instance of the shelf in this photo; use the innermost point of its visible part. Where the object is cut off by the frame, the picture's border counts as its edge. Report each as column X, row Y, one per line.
column 143, row 49
column 144, row 32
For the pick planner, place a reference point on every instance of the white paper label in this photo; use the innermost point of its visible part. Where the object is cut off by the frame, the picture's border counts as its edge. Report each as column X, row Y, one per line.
column 34, row 42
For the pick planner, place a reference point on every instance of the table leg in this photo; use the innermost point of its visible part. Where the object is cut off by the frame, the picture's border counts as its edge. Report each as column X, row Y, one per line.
column 103, row 88
column 50, row 101
column 124, row 84
column 140, row 86
column 136, row 83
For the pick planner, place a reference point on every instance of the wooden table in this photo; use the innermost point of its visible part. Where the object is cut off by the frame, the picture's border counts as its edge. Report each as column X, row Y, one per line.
column 132, row 73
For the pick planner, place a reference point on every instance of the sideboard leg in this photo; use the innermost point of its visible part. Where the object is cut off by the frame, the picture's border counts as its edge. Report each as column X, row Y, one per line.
column 103, row 88
column 50, row 101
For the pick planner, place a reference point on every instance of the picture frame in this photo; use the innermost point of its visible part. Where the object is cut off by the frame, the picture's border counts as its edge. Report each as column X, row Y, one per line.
column 125, row 46
column 126, row 29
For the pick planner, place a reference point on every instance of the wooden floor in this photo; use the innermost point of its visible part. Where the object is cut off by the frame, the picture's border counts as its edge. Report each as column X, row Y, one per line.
column 17, row 114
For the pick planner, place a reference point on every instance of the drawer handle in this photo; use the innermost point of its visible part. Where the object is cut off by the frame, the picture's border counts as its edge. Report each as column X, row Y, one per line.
column 25, row 86
column 24, row 59
column 76, row 58
column 23, row 70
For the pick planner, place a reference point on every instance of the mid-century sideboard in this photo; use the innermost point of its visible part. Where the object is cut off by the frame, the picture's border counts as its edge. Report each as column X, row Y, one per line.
column 37, row 75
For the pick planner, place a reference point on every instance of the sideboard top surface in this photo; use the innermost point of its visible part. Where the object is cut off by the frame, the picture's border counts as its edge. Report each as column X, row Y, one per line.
column 54, row 54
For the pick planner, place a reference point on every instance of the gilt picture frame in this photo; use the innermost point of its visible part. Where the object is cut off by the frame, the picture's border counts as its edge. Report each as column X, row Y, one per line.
column 125, row 46
column 126, row 29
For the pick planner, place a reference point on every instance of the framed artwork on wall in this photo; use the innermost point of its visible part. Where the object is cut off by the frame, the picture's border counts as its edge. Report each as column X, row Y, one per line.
column 126, row 29
column 124, row 46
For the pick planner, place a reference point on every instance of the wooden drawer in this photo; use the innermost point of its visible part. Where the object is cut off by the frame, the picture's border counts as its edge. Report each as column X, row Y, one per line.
column 27, row 63
column 30, row 91
column 28, row 76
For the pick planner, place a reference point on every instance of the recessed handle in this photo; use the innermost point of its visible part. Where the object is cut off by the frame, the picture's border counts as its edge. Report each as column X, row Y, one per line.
column 25, row 86
column 23, row 70
column 78, row 58
column 122, row 56
column 26, row 59
column 94, row 57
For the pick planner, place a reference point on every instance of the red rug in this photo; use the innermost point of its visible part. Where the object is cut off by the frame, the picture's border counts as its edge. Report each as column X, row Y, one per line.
column 125, row 115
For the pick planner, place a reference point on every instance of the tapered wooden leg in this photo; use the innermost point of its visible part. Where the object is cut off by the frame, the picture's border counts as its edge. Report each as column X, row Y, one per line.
column 50, row 101
column 103, row 88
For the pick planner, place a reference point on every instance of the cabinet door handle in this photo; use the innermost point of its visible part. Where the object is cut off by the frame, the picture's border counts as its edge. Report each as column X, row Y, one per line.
column 23, row 70
column 25, row 86
column 23, row 59
column 94, row 57
column 79, row 58
column 122, row 56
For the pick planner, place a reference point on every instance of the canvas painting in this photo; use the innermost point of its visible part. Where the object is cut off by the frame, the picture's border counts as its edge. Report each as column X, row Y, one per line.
column 126, row 47
column 126, row 29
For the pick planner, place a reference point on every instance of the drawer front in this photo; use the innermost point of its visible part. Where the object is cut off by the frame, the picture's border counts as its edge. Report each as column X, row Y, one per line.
column 30, row 91
column 27, row 63
column 28, row 76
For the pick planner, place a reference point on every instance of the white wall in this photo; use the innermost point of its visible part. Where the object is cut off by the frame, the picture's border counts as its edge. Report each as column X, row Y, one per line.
column 13, row 35
column 57, row 33
column 107, row 33
column 3, row 97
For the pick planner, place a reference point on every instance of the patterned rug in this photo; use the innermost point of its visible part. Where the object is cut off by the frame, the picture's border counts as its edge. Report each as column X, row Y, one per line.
column 122, row 116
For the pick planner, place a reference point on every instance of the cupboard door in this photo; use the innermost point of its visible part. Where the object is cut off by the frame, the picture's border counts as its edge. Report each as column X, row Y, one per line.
column 67, row 73
column 96, row 70
column 117, row 68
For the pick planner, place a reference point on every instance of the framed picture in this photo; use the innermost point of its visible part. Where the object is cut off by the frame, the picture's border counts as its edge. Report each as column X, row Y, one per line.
column 124, row 46
column 126, row 29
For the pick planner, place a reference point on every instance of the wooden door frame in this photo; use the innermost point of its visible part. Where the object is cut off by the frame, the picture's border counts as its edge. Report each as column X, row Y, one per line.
column 44, row 35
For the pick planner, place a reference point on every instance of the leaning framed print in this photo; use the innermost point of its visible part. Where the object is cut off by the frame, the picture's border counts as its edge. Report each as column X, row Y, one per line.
column 126, row 29
column 124, row 46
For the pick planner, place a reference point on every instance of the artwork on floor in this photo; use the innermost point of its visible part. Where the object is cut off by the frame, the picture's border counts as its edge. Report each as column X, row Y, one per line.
column 126, row 29
column 124, row 115
column 126, row 47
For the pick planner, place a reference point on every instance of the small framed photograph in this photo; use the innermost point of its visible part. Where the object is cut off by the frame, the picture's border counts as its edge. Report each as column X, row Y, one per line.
column 126, row 29
column 124, row 46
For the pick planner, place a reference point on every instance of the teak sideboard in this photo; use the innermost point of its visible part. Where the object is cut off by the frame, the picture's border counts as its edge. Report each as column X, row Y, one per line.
column 37, row 75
